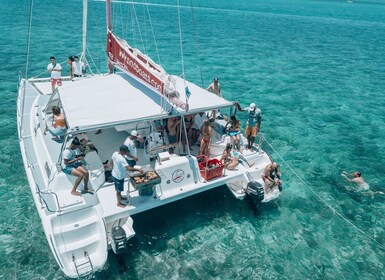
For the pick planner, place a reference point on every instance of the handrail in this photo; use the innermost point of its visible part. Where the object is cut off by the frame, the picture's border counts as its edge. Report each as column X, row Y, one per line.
column 49, row 192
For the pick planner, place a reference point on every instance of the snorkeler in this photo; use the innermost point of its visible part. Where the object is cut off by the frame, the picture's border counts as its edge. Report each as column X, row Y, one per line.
column 356, row 178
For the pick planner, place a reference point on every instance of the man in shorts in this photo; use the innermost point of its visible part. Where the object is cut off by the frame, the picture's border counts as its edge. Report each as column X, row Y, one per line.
column 72, row 165
column 253, row 124
column 271, row 176
column 55, row 70
column 119, row 168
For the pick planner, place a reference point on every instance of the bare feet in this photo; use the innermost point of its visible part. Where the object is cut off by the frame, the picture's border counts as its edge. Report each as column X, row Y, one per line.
column 121, row 205
column 75, row 193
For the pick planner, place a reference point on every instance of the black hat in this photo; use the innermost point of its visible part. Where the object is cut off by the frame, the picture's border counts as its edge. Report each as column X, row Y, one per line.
column 75, row 142
column 124, row 148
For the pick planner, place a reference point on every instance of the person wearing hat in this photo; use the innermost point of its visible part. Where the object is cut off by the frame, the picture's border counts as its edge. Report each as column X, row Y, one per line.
column 130, row 143
column 72, row 165
column 253, row 124
column 119, row 168
column 215, row 87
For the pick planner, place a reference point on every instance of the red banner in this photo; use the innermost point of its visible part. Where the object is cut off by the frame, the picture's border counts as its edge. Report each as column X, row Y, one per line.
column 133, row 64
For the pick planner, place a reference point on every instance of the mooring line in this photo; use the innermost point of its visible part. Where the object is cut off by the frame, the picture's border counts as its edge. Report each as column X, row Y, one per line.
column 333, row 210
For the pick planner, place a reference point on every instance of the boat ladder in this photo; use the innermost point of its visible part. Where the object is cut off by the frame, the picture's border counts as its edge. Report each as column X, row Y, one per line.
column 84, row 268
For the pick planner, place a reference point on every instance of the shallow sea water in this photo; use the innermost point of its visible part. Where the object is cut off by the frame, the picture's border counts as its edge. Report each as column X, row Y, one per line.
column 315, row 68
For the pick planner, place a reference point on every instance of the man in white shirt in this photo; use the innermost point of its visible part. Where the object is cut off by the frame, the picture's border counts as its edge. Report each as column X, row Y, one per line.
column 130, row 143
column 119, row 168
column 199, row 119
column 55, row 70
column 77, row 67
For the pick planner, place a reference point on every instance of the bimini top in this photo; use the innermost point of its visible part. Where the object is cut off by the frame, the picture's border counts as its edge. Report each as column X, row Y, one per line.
column 108, row 100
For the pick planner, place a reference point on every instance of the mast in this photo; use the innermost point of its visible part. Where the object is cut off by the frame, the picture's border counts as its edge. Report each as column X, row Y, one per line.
column 85, row 11
column 109, row 28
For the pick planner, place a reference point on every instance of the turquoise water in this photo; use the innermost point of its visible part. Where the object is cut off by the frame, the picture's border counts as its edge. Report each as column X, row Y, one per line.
column 315, row 68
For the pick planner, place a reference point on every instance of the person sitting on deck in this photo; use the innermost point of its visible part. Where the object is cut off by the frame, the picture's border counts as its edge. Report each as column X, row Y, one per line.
column 57, row 125
column 229, row 158
column 271, row 176
column 207, row 134
column 119, row 167
column 72, row 165
column 234, row 130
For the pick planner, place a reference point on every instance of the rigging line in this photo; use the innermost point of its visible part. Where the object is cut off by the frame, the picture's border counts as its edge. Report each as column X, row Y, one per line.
column 93, row 62
column 153, row 33
column 196, row 41
column 181, row 43
column 334, row 211
column 29, row 38
column 137, row 23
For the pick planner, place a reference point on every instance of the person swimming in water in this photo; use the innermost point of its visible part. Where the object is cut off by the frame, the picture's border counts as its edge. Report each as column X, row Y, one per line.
column 356, row 178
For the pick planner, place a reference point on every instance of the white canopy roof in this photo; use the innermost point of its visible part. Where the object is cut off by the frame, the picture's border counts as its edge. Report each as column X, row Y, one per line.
column 106, row 100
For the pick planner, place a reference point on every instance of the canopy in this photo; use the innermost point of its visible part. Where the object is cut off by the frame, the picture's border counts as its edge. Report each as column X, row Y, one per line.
column 108, row 100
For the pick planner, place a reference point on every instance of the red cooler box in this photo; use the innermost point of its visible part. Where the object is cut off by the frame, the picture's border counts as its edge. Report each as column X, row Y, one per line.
column 211, row 169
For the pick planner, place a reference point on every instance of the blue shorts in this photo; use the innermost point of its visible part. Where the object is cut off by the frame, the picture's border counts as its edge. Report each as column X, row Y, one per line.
column 68, row 168
column 119, row 184
column 172, row 139
column 131, row 162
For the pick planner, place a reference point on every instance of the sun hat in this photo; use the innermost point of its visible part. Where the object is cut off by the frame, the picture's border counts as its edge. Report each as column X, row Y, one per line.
column 134, row 133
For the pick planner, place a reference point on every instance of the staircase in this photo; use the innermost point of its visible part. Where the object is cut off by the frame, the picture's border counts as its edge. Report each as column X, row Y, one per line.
column 80, row 241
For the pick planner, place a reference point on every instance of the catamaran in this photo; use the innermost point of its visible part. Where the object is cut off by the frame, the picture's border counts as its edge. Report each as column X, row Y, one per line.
column 136, row 94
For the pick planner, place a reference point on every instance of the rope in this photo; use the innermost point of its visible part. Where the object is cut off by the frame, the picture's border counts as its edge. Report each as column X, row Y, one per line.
column 196, row 41
column 137, row 23
column 153, row 33
column 333, row 210
column 181, row 43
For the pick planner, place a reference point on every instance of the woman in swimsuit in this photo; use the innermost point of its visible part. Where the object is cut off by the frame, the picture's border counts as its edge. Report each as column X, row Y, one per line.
column 207, row 134
column 234, row 130
column 58, row 126
column 229, row 160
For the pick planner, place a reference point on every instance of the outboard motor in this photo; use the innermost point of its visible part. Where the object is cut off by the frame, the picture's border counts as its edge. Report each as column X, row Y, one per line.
column 118, row 240
column 255, row 191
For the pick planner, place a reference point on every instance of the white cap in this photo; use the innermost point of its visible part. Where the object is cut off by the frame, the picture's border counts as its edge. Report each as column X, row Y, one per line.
column 134, row 133
column 252, row 105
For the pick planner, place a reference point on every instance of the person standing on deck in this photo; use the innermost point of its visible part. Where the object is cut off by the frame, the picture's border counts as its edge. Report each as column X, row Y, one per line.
column 77, row 67
column 70, row 64
column 215, row 87
column 132, row 157
column 55, row 70
column 253, row 125
column 119, row 168
column 173, row 130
